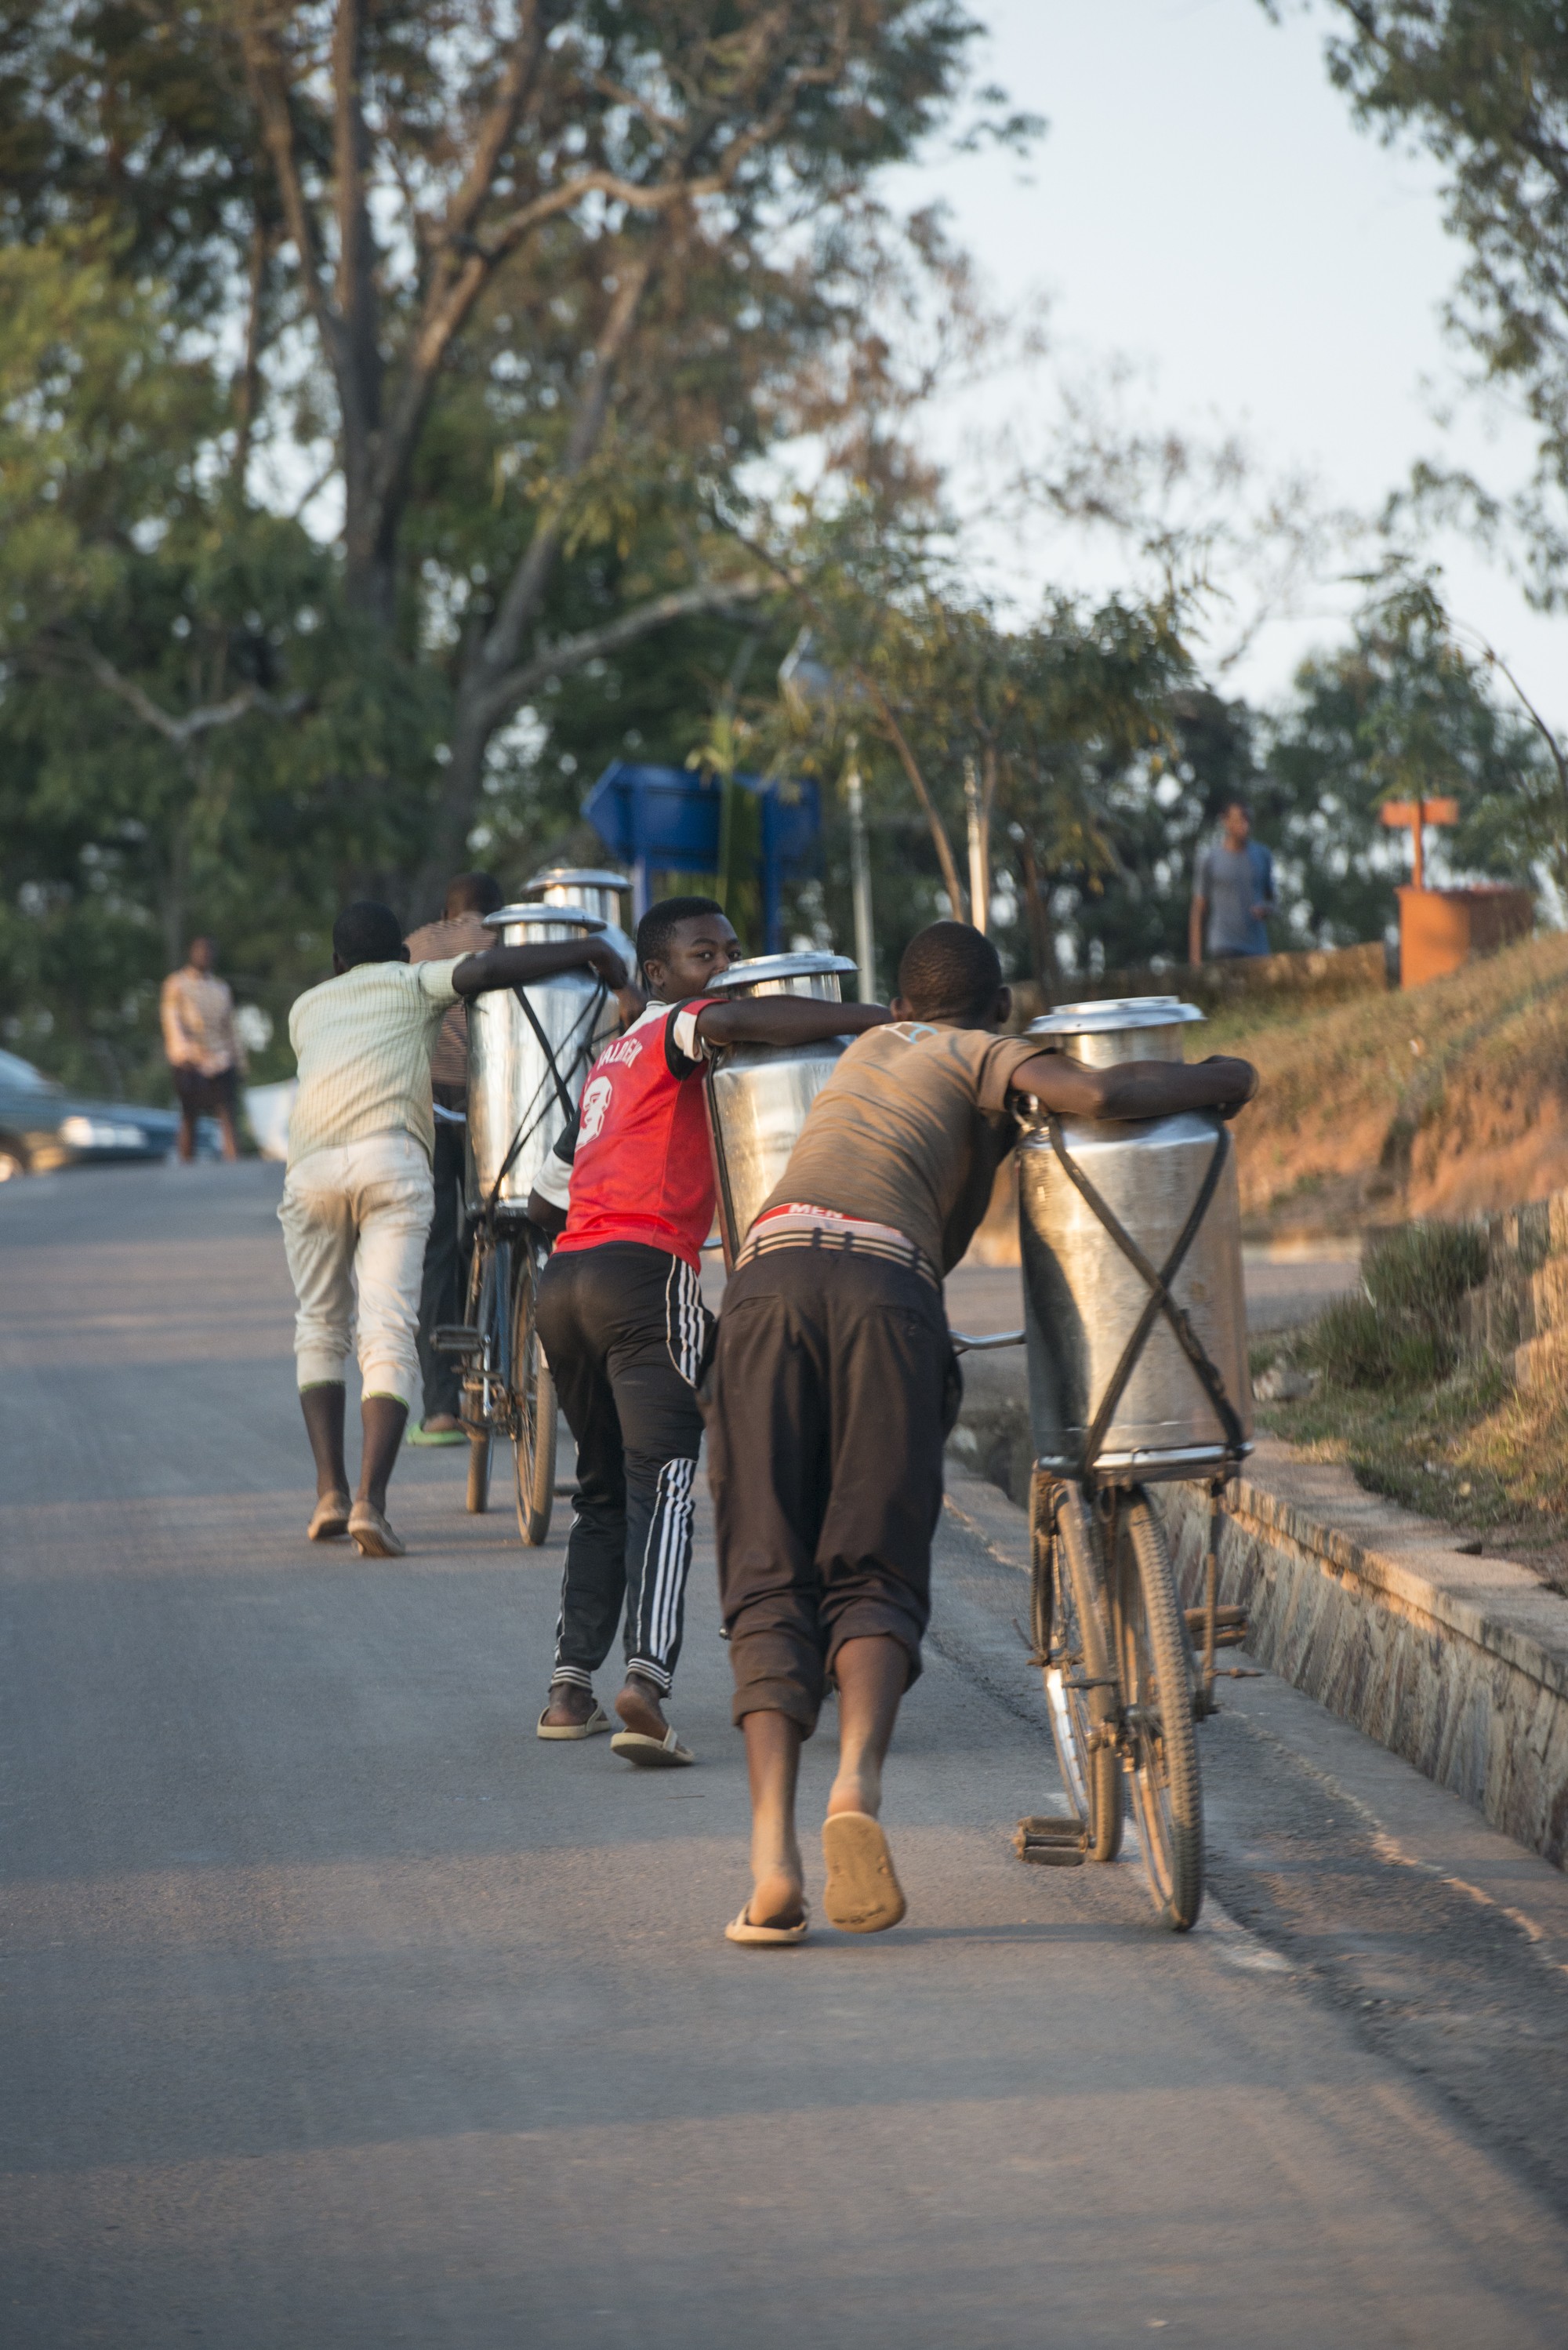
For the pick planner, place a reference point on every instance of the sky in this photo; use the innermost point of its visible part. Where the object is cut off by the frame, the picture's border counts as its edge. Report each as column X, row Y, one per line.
column 1204, row 206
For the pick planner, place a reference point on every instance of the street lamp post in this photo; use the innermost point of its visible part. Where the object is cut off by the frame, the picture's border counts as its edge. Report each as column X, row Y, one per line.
column 861, row 884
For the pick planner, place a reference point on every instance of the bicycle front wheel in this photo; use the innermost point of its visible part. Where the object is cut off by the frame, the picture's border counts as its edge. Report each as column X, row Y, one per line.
column 1156, row 1688
column 532, row 1405
column 1070, row 1634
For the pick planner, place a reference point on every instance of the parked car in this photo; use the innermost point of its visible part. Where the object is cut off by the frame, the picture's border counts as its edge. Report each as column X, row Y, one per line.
column 42, row 1125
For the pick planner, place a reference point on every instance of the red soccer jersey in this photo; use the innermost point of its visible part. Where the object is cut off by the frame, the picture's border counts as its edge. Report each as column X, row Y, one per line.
column 642, row 1169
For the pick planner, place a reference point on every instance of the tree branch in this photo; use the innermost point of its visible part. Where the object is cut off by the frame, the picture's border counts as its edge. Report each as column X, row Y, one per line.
column 910, row 766
column 183, row 732
column 567, row 653
column 525, row 590
column 269, row 91
column 355, row 293
column 896, row 735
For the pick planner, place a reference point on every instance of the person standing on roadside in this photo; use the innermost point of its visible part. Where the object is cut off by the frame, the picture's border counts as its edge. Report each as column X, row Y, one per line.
column 358, row 1195
column 204, row 1053
column 1232, row 891
column 461, row 931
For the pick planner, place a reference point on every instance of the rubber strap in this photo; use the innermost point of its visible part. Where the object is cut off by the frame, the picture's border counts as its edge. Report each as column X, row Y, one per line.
column 1159, row 1300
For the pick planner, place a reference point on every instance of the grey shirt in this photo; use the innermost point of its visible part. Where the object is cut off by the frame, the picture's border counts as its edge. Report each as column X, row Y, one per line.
column 909, row 1131
column 1230, row 882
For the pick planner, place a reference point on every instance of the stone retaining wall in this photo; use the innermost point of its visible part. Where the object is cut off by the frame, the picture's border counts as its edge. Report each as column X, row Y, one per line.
column 1466, row 1685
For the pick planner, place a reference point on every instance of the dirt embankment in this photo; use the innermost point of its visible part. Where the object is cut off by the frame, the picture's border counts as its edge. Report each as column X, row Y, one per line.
column 1441, row 1101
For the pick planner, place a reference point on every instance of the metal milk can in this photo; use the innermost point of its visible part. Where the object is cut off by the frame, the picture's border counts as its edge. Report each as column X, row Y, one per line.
column 514, row 1110
column 592, row 892
column 758, row 1095
column 1082, row 1295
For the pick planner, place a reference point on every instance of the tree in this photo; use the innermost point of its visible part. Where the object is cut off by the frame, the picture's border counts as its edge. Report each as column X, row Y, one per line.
column 514, row 289
column 1404, row 712
column 1483, row 85
column 949, row 716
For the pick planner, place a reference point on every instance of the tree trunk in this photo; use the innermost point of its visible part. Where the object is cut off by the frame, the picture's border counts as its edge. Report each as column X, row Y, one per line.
column 1042, row 945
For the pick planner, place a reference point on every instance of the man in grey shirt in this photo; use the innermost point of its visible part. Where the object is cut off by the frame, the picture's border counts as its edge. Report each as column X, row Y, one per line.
column 1232, row 891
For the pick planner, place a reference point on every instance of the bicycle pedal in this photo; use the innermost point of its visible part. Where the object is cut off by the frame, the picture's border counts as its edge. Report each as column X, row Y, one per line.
column 1051, row 1842
column 456, row 1338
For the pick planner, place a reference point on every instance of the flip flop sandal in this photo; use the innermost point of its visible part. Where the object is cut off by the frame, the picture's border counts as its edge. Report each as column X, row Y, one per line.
column 598, row 1720
column 757, row 1938
column 664, row 1753
column 862, row 1895
column 329, row 1519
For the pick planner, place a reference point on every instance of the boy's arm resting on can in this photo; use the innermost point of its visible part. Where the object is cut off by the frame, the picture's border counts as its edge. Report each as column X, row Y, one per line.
column 478, row 974
column 786, row 1019
column 1135, row 1088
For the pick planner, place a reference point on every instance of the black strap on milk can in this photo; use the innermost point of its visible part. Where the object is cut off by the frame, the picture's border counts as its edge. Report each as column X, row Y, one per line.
column 1158, row 1302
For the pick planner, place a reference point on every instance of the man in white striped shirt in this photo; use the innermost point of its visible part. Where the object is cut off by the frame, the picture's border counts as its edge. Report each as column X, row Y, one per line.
column 358, row 1196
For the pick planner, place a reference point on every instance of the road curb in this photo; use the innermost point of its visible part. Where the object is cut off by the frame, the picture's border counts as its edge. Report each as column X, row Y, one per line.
column 1458, row 1665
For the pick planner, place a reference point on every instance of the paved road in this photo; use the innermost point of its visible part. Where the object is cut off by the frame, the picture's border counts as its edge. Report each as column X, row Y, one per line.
column 338, row 2010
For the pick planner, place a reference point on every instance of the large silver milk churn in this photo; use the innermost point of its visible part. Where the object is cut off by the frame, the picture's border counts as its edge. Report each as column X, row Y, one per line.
column 1082, row 1295
column 514, row 1110
column 758, row 1095
column 591, row 891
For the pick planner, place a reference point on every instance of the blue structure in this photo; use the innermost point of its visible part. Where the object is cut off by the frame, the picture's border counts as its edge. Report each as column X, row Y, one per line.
column 666, row 820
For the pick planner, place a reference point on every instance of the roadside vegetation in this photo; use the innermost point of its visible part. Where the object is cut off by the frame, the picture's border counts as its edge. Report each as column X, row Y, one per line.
column 1447, row 1100
column 1386, row 1382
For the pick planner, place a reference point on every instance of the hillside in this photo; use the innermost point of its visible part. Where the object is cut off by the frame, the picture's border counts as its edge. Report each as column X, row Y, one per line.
column 1441, row 1101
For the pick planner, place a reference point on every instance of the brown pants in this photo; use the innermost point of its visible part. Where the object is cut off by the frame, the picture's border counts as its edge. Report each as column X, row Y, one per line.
column 833, row 1390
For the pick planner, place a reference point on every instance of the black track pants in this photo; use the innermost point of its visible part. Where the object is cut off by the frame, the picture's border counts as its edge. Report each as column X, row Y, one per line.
column 445, row 1276
column 833, row 1392
column 624, row 1332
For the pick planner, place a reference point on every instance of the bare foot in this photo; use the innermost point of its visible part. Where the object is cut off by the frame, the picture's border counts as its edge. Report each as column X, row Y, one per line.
column 639, row 1709
column 570, row 1706
column 777, row 1900
column 856, row 1791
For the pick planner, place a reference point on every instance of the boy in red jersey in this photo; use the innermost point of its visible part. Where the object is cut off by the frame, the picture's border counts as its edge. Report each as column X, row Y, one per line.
column 621, row 1317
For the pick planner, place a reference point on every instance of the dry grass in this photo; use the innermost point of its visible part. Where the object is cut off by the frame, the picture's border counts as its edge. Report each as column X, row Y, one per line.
column 1443, row 1100
column 1441, row 1432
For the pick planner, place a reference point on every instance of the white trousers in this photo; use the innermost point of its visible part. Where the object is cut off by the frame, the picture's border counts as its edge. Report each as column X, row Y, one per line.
column 355, row 1218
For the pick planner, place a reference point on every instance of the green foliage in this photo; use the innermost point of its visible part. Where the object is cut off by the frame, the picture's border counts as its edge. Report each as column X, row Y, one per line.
column 1421, row 1272
column 209, row 714
column 1483, row 85
column 1403, row 711
column 1404, row 1331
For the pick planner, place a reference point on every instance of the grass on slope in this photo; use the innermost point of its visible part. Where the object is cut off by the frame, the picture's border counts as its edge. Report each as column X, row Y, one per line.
column 1394, row 1397
column 1442, row 1099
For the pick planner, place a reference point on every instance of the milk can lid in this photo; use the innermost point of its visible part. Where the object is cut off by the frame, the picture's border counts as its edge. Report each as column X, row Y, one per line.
column 1114, row 1013
column 504, row 916
column 578, row 877
column 810, row 964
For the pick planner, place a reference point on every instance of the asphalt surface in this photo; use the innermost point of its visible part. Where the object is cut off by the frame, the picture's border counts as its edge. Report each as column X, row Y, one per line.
column 336, row 2009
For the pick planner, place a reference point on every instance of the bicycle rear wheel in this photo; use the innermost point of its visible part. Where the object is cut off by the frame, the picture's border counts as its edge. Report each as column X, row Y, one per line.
column 533, row 1405
column 489, row 1313
column 1156, row 1688
column 1070, row 1633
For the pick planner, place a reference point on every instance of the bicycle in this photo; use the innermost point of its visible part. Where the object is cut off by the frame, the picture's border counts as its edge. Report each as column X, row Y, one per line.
column 1124, row 1684
column 507, row 1389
